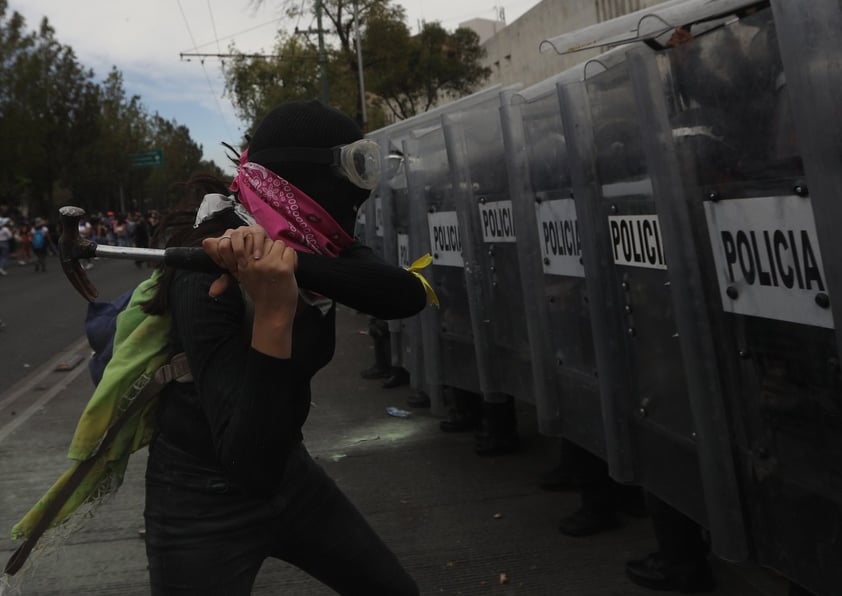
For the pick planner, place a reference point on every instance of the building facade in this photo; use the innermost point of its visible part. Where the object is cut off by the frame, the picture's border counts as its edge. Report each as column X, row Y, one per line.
column 512, row 51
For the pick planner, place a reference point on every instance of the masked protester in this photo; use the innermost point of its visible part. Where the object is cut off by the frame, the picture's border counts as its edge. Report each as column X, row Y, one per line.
column 229, row 481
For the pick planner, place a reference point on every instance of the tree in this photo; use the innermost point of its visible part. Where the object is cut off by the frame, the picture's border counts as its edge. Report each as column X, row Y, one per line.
column 47, row 88
column 123, row 130
column 68, row 138
column 257, row 84
column 413, row 74
column 405, row 74
column 182, row 157
column 338, row 22
column 16, row 45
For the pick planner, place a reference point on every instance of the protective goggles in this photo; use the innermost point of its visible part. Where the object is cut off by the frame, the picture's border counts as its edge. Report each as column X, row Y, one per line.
column 359, row 161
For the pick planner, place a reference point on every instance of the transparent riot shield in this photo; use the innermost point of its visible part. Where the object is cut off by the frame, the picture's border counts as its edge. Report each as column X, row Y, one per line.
column 359, row 224
column 640, row 362
column 549, row 256
column 406, row 338
column 745, row 207
column 449, row 356
column 373, row 209
column 483, row 202
column 814, row 83
column 400, row 243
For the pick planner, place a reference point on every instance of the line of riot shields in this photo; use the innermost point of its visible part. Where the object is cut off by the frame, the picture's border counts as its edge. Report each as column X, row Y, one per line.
column 643, row 248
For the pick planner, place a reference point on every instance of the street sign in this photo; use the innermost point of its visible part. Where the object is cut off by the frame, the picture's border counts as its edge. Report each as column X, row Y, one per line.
column 149, row 159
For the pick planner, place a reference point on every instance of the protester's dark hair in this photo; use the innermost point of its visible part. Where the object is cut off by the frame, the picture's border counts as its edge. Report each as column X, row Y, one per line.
column 176, row 229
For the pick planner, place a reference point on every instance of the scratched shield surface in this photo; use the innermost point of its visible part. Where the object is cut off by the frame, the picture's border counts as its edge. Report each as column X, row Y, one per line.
column 642, row 354
column 766, row 283
column 477, row 158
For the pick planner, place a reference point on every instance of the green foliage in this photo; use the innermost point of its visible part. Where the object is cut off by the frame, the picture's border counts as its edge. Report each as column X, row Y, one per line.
column 67, row 138
column 403, row 74
column 257, row 84
column 411, row 74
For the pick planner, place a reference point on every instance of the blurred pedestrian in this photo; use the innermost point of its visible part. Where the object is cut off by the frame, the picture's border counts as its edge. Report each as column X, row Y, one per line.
column 121, row 230
column 41, row 243
column 6, row 236
column 140, row 231
column 24, row 242
column 109, row 222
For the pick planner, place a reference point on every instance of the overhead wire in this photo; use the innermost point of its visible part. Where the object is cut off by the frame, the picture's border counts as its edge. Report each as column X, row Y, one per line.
column 226, row 37
column 205, row 70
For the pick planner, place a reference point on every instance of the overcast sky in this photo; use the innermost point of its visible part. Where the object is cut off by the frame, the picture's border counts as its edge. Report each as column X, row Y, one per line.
column 145, row 38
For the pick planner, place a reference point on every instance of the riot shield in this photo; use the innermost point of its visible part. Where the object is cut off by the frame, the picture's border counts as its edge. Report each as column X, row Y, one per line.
column 483, row 204
column 448, row 340
column 645, row 397
column 401, row 244
column 749, row 211
column 552, row 273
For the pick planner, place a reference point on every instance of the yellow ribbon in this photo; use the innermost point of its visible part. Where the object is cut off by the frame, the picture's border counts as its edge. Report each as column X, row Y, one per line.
column 418, row 265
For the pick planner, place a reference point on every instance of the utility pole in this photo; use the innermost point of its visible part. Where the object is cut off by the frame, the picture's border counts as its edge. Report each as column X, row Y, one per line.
column 322, row 56
column 360, row 64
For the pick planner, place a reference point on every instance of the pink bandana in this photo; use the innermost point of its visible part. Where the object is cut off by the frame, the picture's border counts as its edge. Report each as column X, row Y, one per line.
column 286, row 212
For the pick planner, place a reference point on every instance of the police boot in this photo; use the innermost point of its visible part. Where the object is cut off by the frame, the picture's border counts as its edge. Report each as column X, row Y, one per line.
column 499, row 428
column 382, row 368
column 398, row 377
column 587, row 521
column 465, row 411
column 656, row 573
column 597, row 513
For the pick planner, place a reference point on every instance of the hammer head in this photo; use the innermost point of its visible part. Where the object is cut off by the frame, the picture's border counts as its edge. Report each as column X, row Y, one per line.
column 71, row 248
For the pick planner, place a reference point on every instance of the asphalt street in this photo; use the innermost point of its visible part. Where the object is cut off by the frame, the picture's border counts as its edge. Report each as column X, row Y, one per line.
column 43, row 314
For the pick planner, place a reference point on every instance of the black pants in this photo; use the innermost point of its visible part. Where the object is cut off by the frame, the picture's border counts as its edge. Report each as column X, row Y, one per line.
column 680, row 539
column 205, row 537
column 590, row 473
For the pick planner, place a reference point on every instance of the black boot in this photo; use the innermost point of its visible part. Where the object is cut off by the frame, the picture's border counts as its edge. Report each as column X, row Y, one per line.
column 465, row 411
column 598, row 490
column 418, row 399
column 499, row 429
column 689, row 577
column 588, row 521
column 374, row 372
column 382, row 368
column 398, row 377
column 681, row 562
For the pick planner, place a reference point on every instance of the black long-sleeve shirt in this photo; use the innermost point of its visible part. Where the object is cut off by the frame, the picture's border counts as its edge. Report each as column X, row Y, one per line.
column 244, row 411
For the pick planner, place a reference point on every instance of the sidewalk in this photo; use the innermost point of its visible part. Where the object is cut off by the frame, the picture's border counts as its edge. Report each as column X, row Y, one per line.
column 459, row 522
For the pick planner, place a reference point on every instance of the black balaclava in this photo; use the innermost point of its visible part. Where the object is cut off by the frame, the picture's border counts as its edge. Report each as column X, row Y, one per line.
column 312, row 124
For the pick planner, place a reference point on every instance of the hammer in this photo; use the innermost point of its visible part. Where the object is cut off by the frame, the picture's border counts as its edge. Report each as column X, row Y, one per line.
column 72, row 248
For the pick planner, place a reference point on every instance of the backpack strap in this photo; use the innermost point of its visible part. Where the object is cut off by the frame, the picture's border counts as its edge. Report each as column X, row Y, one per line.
column 176, row 370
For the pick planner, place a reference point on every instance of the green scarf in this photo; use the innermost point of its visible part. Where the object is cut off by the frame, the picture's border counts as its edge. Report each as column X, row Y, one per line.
column 140, row 348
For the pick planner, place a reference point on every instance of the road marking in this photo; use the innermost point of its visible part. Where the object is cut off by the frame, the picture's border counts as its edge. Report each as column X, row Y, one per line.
column 41, row 374
column 60, row 386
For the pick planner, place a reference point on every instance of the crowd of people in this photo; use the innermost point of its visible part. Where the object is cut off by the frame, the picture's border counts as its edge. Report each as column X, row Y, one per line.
column 29, row 240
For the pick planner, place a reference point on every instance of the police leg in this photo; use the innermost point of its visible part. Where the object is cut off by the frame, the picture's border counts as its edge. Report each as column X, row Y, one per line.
column 681, row 561
column 379, row 334
column 465, row 410
column 597, row 512
column 498, row 435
